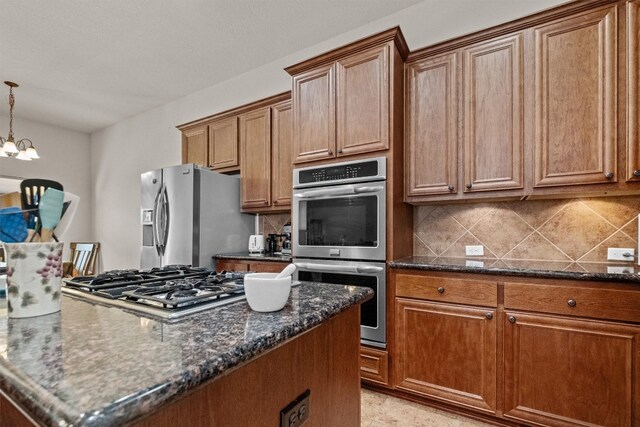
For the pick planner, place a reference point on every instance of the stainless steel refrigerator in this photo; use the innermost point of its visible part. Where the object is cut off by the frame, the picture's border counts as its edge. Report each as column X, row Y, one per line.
column 190, row 214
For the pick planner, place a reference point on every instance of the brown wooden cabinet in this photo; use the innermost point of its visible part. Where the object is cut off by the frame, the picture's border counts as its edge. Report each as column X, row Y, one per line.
column 223, row 145
column 575, row 103
column 343, row 100
column 255, row 145
column 447, row 352
column 281, row 154
column 566, row 372
column 633, row 89
column 493, row 124
column 243, row 265
column 194, row 146
column 431, row 156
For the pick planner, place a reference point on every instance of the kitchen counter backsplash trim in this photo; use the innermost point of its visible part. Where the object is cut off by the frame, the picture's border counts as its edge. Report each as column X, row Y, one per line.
column 536, row 269
column 70, row 378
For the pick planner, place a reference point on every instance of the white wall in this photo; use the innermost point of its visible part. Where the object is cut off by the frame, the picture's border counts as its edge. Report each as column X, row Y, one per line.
column 120, row 153
column 65, row 156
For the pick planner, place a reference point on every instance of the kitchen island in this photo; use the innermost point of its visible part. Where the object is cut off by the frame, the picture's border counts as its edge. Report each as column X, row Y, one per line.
column 94, row 365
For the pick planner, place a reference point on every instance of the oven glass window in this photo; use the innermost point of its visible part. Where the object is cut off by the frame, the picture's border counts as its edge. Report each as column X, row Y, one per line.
column 369, row 309
column 344, row 221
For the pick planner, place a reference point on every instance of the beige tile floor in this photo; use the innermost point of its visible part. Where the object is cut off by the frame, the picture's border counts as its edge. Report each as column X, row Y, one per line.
column 379, row 410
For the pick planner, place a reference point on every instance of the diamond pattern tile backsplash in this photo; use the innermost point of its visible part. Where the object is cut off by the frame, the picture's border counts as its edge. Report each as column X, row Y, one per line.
column 273, row 223
column 540, row 230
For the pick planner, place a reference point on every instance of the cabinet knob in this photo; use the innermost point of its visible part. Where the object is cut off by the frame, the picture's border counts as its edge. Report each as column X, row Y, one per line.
column 451, row 187
column 441, row 290
column 571, row 303
column 339, row 150
column 511, row 319
column 609, row 175
column 489, row 316
column 330, row 152
column 636, row 172
column 469, row 185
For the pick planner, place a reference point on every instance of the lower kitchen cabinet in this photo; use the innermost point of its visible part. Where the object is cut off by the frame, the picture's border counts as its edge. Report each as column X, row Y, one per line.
column 240, row 265
column 447, row 352
column 571, row 372
column 374, row 365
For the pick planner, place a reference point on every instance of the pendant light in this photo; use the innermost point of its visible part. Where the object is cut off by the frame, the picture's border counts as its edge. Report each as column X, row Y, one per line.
column 9, row 147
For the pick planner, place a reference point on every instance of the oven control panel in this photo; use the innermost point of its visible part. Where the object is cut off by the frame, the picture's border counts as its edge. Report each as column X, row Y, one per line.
column 362, row 170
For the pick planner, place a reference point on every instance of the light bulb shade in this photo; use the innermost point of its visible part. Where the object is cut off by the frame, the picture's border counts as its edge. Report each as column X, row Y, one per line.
column 22, row 155
column 10, row 147
column 32, row 153
column 2, row 152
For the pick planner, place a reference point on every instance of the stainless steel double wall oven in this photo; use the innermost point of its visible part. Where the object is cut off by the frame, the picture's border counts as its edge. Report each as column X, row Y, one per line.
column 339, row 232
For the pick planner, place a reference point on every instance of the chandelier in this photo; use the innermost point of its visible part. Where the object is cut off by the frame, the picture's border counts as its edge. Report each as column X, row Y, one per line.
column 11, row 148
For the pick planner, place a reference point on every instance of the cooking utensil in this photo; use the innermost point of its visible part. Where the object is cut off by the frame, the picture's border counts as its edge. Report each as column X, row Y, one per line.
column 265, row 292
column 288, row 271
column 67, row 215
column 50, row 207
column 13, row 227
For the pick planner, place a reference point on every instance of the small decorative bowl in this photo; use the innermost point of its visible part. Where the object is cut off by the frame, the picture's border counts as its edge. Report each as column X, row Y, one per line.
column 266, row 293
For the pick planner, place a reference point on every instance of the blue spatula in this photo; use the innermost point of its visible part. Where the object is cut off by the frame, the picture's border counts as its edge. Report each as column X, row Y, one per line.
column 50, row 211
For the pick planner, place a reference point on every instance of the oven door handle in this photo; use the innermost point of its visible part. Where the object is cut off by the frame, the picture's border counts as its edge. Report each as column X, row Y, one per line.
column 359, row 269
column 350, row 189
column 373, row 189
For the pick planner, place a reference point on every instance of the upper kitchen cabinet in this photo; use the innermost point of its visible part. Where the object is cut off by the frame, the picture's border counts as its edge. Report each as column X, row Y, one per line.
column 281, row 154
column 432, row 126
column 493, row 124
column 255, row 145
column 342, row 100
column 223, row 145
column 575, row 99
column 633, row 89
column 194, row 145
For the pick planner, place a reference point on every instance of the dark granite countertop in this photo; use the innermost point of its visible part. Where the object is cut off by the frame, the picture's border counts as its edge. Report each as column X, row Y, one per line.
column 628, row 272
column 255, row 257
column 93, row 365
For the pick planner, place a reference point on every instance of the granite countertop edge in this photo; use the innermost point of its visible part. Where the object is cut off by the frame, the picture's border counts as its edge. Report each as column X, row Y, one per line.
column 408, row 263
column 134, row 407
column 259, row 257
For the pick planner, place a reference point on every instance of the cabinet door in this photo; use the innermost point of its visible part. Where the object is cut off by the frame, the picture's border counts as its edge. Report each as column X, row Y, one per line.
column 267, row 267
column 575, row 100
column 223, row 144
column 255, row 174
column 281, row 154
column 447, row 352
column 633, row 90
column 362, row 94
column 194, row 146
column 314, row 127
column 432, row 118
column 571, row 372
column 493, row 115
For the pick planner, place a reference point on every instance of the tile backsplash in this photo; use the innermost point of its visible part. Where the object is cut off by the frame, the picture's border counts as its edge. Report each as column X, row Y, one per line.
column 273, row 223
column 543, row 230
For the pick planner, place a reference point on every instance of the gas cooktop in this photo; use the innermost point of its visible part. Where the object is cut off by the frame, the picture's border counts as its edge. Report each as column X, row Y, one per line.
column 169, row 292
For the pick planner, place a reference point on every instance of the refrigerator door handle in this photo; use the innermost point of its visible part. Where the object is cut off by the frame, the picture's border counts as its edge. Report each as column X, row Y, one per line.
column 165, row 218
column 157, row 214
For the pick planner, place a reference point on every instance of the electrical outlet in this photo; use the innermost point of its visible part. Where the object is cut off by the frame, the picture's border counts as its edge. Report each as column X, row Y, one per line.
column 470, row 263
column 296, row 412
column 620, row 254
column 474, row 250
column 619, row 270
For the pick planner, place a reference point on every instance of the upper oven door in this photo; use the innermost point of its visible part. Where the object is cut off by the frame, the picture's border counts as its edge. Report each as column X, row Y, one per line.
column 341, row 221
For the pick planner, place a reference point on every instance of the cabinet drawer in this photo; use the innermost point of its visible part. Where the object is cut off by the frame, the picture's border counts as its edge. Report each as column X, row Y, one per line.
column 374, row 365
column 613, row 304
column 467, row 291
column 231, row 265
column 267, row 267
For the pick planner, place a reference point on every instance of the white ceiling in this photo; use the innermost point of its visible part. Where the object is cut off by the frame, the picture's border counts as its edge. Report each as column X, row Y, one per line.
column 84, row 65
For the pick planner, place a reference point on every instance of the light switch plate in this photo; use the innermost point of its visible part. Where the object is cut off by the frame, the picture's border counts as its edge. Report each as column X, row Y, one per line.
column 620, row 254
column 474, row 250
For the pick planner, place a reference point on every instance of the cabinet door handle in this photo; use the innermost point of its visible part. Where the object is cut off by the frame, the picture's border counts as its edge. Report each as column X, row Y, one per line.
column 339, row 150
column 469, row 185
column 511, row 319
column 609, row 175
column 571, row 303
column 330, row 152
column 489, row 316
column 441, row 290
column 636, row 172
column 451, row 187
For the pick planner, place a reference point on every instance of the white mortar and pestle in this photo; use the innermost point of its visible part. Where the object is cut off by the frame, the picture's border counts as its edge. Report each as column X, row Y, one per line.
column 267, row 292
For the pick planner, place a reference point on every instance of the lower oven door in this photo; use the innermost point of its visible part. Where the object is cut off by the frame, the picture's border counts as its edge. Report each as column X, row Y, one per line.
column 373, row 313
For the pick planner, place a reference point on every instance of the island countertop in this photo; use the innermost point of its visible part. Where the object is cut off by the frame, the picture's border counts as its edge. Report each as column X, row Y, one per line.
column 94, row 365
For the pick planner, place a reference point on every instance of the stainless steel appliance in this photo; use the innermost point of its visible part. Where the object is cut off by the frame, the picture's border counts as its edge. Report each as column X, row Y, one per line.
column 188, row 215
column 339, row 233
column 169, row 293
column 373, row 313
column 339, row 210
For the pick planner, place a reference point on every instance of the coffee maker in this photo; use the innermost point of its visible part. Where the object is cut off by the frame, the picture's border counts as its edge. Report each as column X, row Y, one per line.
column 286, row 242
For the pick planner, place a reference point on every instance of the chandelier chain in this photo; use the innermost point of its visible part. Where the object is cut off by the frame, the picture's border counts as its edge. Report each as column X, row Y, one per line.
column 12, row 101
